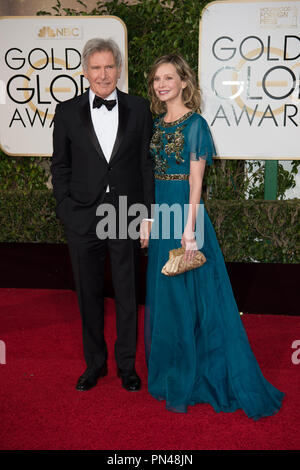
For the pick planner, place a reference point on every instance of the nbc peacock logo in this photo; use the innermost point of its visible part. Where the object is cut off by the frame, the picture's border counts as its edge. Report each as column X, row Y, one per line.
column 58, row 32
column 46, row 31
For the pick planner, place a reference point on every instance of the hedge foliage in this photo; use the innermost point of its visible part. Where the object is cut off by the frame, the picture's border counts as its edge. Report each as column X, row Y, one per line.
column 248, row 229
column 158, row 27
column 264, row 231
column 154, row 27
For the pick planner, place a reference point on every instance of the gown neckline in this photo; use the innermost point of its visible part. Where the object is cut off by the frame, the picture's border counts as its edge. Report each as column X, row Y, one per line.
column 178, row 121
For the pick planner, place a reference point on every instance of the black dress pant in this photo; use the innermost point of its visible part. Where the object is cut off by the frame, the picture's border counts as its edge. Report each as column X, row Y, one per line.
column 88, row 255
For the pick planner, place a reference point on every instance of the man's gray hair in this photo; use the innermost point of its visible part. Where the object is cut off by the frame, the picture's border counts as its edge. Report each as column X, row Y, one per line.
column 99, row 45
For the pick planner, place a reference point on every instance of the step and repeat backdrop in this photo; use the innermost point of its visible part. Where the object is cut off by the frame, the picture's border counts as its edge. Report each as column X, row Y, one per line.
column 40, row 66
column 249, row 71
column 249, row 66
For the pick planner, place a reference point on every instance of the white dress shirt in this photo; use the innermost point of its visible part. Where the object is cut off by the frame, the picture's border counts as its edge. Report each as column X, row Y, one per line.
column 105, row 124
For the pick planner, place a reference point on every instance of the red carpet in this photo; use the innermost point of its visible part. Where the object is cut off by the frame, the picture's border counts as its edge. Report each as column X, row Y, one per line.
column 40, row 408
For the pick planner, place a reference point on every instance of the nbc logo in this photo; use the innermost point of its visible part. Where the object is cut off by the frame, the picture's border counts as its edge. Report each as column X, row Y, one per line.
column 46, row 31
column 59, row 32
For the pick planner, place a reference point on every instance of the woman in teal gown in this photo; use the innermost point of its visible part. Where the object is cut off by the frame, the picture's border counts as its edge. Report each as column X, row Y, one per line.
column 197, row 350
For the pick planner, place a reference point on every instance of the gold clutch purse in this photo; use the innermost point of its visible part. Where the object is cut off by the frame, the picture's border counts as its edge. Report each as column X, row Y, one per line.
column 177, row 265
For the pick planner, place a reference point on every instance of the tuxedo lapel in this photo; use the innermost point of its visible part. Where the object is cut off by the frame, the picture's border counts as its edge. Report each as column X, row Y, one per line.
column 124, row 112
column 88, row 124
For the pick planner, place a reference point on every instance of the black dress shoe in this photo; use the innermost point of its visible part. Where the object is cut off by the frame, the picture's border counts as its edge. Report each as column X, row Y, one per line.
column 90, row 378
column 130, row 380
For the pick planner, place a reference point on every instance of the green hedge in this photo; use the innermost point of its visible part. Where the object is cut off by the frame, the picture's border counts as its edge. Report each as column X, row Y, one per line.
column 257, row 230
column 253, row 230
column 247, row 230
column 154, row 27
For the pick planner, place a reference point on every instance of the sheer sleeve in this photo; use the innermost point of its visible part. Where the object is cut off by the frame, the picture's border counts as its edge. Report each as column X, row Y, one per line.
column 200, row 141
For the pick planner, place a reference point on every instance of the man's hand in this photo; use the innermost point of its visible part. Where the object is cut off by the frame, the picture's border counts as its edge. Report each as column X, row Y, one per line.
column 145, row 230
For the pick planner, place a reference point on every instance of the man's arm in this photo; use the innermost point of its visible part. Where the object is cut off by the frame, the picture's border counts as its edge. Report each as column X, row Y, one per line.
column 147, row 164
column 147, row 168
column 61, row 158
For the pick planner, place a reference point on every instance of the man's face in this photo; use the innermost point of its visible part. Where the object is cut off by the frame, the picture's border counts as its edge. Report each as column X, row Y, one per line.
column 102, row 73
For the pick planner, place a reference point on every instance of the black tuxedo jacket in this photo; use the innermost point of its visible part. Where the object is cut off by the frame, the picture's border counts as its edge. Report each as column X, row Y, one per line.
column 80, row 171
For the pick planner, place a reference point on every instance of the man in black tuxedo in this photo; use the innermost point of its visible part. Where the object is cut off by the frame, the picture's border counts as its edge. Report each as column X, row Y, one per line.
column 101, row 152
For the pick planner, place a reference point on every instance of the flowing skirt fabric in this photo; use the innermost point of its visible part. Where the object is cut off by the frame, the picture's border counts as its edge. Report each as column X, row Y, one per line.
column 197, row 349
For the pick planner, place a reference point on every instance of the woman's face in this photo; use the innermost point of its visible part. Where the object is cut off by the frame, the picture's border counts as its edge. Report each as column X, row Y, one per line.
column 167, row 84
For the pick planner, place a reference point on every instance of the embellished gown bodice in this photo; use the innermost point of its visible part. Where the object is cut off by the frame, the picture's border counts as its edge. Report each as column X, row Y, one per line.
column 175, row 144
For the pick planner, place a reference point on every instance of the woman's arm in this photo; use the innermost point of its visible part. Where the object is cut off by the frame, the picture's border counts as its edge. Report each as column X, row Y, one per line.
column 197, row 169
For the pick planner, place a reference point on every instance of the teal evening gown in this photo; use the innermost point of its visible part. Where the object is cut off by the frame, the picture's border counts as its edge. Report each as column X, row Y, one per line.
column 197, row 350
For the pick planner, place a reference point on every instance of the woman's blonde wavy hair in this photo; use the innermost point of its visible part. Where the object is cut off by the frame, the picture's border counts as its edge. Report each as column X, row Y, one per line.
column 191, row 94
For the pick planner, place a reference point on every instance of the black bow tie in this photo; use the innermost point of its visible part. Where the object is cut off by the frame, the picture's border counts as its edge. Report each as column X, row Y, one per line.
column 98, row 102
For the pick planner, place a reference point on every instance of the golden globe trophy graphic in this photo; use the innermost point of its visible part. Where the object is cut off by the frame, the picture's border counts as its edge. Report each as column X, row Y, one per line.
column 40, row 96
column 249, row 74
column 40, row 66
column 243, row 81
